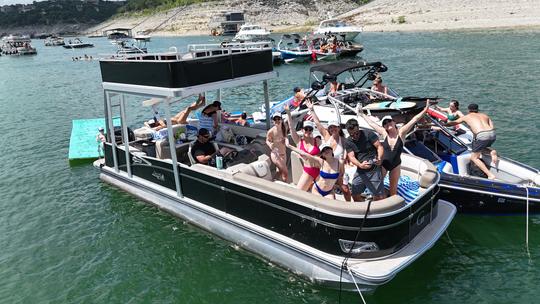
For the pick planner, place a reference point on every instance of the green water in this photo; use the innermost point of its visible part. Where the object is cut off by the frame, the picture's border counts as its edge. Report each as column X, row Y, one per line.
column 67, row 237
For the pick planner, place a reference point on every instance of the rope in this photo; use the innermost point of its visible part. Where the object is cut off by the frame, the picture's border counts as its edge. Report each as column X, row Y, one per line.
column 527, row 223
column 344, row 263
column 357, row 288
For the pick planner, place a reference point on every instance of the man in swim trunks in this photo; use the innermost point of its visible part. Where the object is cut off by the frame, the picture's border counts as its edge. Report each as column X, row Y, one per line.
column 484, row 136
column 366, row 153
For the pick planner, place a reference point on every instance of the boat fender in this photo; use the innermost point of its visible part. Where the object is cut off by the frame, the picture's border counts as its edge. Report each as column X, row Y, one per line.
column 260, row 168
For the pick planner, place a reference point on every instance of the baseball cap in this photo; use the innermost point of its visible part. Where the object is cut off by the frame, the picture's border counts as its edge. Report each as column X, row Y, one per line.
column 334, row 123
column 387, row 117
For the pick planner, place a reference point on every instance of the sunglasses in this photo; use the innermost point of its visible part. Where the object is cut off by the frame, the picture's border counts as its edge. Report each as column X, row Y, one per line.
column 308, row 129
column 276, row 118
column 387, row 121
column 205, row 136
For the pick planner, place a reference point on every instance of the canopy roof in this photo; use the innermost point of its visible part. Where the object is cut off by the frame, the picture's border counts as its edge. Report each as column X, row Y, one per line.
column 338, row 67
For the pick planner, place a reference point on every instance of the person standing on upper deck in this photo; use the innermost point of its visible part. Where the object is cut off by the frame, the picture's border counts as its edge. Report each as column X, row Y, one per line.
column 484, row 136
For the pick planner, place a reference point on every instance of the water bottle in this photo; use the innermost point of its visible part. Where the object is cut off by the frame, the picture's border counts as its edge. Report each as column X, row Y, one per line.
column 219, row 162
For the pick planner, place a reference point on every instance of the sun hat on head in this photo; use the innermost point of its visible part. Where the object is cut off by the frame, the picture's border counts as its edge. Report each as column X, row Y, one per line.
column 324, row 146
column 387, row 117
column 309, row 123
column 334, row 123
column 276, row 114
column 150, row 102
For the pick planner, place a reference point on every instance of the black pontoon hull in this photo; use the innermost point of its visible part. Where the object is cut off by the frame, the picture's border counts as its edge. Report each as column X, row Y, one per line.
column 303, row 223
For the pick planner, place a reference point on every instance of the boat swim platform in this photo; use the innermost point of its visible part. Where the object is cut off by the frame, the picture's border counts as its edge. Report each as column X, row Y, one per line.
column 83, row 146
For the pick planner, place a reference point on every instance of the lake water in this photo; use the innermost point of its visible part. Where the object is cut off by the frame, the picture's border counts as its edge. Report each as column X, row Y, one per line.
column 67, row 237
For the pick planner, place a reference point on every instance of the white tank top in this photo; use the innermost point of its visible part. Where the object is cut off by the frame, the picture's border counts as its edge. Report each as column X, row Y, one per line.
column 339, row 151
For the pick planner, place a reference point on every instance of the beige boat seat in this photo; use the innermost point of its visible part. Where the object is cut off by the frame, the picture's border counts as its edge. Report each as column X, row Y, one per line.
column 297, row 167
column 262, row 168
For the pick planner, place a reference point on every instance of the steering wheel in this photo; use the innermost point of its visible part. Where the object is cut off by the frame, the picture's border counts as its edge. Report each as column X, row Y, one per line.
column 230, row 156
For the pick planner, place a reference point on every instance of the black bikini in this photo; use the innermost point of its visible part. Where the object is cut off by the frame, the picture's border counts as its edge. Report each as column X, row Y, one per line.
column 392, row 158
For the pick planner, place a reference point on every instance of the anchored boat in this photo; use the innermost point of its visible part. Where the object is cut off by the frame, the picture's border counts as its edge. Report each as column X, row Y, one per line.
column 517, row 185
column 325, row 240
column 17, row 45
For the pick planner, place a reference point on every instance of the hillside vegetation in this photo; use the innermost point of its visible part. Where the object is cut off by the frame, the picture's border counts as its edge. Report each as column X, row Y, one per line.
column 58, row 12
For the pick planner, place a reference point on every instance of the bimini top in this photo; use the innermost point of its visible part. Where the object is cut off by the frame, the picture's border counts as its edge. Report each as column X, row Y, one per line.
column 338, row 67
column 175, row 75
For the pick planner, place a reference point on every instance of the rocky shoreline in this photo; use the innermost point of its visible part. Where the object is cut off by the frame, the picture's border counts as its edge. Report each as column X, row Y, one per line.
column 305, row 15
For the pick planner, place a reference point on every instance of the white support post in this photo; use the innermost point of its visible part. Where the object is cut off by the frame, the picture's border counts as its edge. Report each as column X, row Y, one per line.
column 266, row 104
column 111, row 130
column 172, row 146
column 125, row 135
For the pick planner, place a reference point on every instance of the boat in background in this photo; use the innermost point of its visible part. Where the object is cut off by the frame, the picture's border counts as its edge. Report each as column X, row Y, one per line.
column 77, row 43
column 137, row 46
column 252, row 32
column 17, row 45
column 332, row 47
column 337, row 27
column 294, row 48
column 54, row 41
column 142, row 36
column 226, row 23
column 226, row 47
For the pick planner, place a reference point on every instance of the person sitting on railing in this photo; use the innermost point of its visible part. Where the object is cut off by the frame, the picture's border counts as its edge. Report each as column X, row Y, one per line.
column 242, row 121
column 299, row 96
column 330, row 170
column 182, row 116
column 394, row 140
column 378, row 85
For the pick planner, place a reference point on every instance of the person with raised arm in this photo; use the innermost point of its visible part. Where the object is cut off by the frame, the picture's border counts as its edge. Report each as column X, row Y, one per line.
column 333, row 136
column 394, row 140
column 330, row 170
column 308, row 144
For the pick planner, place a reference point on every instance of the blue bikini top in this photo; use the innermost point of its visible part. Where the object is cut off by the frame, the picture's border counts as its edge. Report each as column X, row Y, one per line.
column 327, row 175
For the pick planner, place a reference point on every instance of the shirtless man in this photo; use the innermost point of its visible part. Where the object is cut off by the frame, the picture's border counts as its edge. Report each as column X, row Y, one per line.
column 275, row 139
column 484, row 136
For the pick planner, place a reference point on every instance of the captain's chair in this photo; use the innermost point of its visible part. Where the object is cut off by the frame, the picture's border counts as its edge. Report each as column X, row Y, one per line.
column 192, row 159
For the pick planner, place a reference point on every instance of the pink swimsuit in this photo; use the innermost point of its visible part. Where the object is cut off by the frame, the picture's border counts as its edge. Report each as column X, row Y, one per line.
column 311, row 171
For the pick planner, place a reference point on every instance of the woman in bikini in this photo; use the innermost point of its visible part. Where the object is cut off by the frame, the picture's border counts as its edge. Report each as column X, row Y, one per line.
column 308, row 144
column 394, row 140
column 333, row 136
column 452, row 112
column 275, row 140
column 330, row 170
column 182, row 116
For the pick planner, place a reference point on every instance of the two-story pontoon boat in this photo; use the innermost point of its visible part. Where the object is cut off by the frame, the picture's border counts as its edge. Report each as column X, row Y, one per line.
column 17, row 45
column 325, row 240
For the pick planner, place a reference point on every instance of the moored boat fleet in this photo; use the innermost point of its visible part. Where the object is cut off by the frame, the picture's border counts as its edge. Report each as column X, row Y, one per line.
column 240, row 192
